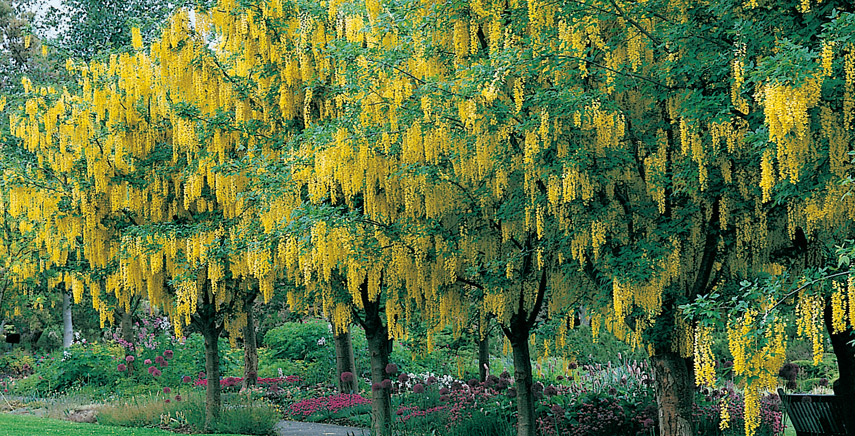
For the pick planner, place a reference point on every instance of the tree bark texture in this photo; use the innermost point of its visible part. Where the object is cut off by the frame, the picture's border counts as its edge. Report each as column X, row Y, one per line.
column 379, row 348
column 127, row 325
column 345, row 362
column 673, row 393
column 483, row 355
column 841, row 343
column 212, row 369
column 526, row 424
column 250, row 350
column 67, row 326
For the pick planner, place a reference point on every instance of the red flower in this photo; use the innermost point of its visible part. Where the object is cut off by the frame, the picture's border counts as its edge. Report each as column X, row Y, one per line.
column 178, row 398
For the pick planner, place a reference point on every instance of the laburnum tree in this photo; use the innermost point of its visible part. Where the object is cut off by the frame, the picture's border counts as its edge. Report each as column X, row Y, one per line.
column 152, row 211
column 417, row 156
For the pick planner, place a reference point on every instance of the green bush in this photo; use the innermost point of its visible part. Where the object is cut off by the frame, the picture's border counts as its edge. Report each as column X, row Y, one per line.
column 310, row 341
column 78, row 366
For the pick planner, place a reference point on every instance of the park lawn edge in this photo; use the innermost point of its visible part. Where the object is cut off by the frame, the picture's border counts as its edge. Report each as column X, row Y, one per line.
column 23, row 425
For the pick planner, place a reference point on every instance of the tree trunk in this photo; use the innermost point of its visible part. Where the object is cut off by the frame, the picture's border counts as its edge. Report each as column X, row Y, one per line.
column 523, row 382
column 381, row 400
column 844, row 386
column 250, row 350
column 345, row 362
column 127, row 325
column 67, row 327
column 483, row 355
column 673, row 393
column 212, row 368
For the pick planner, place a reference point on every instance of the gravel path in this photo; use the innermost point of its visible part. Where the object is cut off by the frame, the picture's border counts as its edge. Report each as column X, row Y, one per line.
column 293, row 428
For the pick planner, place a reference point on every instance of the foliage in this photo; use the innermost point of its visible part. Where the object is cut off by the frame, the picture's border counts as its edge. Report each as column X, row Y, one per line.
column 310, row 340
column 244, row 414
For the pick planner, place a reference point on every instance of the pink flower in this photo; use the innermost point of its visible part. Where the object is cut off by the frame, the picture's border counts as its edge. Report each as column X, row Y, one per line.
column 156, row 372
column 186, row 379
column 129, row 358
column 168, row 354
column 147, row 361
column 159, row 359
column 151, row 369
column 122, row 367
column 201, row 374
column 164, row 364
column 166, row 390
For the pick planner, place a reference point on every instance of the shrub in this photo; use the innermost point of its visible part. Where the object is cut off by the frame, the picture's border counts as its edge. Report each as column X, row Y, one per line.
column 309, row 341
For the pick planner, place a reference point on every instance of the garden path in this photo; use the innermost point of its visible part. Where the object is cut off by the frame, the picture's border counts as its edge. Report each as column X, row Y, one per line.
column 294, row 428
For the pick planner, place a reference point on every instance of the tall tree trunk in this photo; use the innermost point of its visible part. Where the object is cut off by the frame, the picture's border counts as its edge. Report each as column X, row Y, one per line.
column 673, row 393
column 526, row 424
column 250, row 350
column 127, row 326
column 212, row 368
column 67, row 326
column 207, row 321
column 379, row 348
column 845, row 352
column 345, row 362
column 381, row 400
column 483, row 355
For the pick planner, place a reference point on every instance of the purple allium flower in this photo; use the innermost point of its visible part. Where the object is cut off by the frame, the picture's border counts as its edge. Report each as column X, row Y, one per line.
column 186, row 379
column 129, row 358
column 391, row 368
column 122, row 367
column 419, row 388
column 386, row 383
column 168, row 354
column 166, row 390
column 347, row 377
column 147, row 361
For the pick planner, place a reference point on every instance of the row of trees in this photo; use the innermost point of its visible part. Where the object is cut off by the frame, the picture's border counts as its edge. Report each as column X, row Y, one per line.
column 440, row 162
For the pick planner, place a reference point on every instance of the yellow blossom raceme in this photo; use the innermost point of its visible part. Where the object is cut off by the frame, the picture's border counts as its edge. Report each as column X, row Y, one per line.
column 704, row 360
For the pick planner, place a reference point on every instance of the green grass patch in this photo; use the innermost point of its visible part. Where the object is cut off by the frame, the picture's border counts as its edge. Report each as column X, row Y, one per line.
column 15, row 425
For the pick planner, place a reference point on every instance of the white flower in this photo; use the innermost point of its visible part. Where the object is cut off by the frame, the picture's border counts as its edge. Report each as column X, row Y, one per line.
column 322, row 341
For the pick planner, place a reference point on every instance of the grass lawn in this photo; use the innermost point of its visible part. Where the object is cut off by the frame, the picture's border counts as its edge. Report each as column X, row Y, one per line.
column 16, row 425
